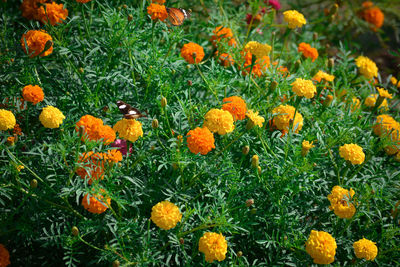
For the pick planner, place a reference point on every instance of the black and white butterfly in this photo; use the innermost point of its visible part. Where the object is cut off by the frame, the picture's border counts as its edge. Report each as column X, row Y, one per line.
column 129, row 111
column 177, row 16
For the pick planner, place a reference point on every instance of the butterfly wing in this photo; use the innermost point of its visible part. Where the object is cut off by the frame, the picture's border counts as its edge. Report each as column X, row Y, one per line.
column 177, row 16
column 129, row 111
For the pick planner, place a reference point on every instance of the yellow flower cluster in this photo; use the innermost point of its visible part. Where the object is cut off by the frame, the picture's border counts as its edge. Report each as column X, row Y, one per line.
column 128, row 129
column 304, row 88
column 51, row 117
column 321, row 246
column 258, row 49
column 395, row 82
column 165, row 215
column 219, row 121
column 7, row 120
column 353, row 153
column 340, row 202
column 355, row 103
column 365, row 249
column 367, row 67
column 370, row 101
column 294, row 19
column 214, row 246
column 282, row 116
column 384, row 93
column 388, row 127
column 320, row 75
column 305, row 147
column 255, row 118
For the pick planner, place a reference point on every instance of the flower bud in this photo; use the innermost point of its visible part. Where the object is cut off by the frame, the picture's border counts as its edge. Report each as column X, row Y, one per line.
column 239, row 254
column 189, row 82
column 249, row 202
column 250, row 124
column 259, row 170
column 315, row 36
column 125, row 6
column 130, row 17
column 245, row 150
column 81, row 70
column 334, row 9
column 154, row 124
column 175, row 166
column 331, row 63
column 163, row 102
column 254, row 161
column 34, row 183
column 75, row 231
column 115, row 263
column 297, row 64
column 181, row 241
column 328, row 100
column 274, row 84
column 253, row 211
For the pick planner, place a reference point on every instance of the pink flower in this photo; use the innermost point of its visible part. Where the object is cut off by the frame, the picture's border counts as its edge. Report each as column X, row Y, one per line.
column 274, row 3
column 122, row 147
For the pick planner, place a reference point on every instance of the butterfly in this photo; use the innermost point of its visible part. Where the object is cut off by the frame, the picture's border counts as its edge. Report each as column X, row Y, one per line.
column 177, row 15
column 129, row 111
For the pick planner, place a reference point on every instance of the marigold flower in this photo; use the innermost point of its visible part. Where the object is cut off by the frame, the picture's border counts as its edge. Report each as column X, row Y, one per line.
column 221, row 33
column 305, row 147
column 103, row 132
column 89, row 125
column 320, row 75
column 157, row 12
column 353, row 153
column 258, row 49
column 200, row 140
column 165, row 215
column 191, row 52
column 51, row 117
column 29, row 8
column 7, row 120
column 365, row 249
column 304, row 88
column 53, row 12
column 219, row 121
column 367, row 67
column 370, row 101
column 19, row 168
column 37, row 41
column 385, row 124
column 160, row 2
column 255, row 118
column 214, row 246
column 355, row 103
column 394, row 81
column 33, row 94
column 283, row 114
column 321, row 246
column 340, row 202
column 128, row 129
column 226, row 60
column 373, row 15
column 384, row 93
column 308, row 51
column 83, row 1
column 11, row 140
column 4, row 256
column 294, row 19
column 259, row 66
column 236, row 106
column 96, row 203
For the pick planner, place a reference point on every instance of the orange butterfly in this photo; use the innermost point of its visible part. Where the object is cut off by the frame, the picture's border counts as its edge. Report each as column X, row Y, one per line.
column 177, row 15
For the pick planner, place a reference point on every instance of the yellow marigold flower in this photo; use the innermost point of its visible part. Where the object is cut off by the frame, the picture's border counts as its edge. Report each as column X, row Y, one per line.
column 219, row 121
column 304, row 88
column 7, row 120
column 282, row 116
column 37, row 41
column 157, row 12
column 19, row 168
column 370, row 101
column 97, row 203
column 305, row 147
column 365, row 249
column 236, row 106
column 385, row 124
column 394, row 81
column 165, row 215
column 33, row 94
column 51, row 117
column 128, row 129
column 321, row 246
column 192, row 52
column 384, row 93
column 4, row 256
column 200, row 140
column 294, row 19
column 367, row 67
column 258, row 49
column 340, row 202
column 353, row 153
column 355, row 104
column 308, row 51
column 255, row 118
column 323, row 76
column 214, row 246
column 55, row 13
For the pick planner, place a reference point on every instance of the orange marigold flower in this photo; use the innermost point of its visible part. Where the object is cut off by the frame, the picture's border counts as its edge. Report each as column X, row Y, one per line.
column 219, row 121
column 105, row 133
column 191, row 52
column 96, row 203
column 33, row 94
column 53, row 12
column 83, row 1
column 226, row 60
column 200, row 140
column 93, row 166
column 89, row 124
column 236, row 106
column 29, row 8
column 4, row 256
column 37, row 42
column 17, row 130
column 260, row 65
column 373, row 15
column 157, row 12
column 221, row 33
column 308, row 51
column 161, row 2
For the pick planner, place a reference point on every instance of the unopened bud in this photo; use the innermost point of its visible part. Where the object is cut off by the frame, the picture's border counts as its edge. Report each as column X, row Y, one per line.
column 130, row 17
column 315, row 36
column 154, row 124
column 259, row 170
column 297, row 64
column 254, row 161
column 125, row 6
column 189, row 82
column 249, row 202
column 334, row 9
column 175, row 166
column 75, row 231
column 181, row 241
column 173, row 71
column 239, row 254
column 163, row 102
column 274, row 84
column 331, row 63
column 34, row 183
column 116, row 263
column 253, row 211
column 250, row 124
column 328, row 101
column 81, row 70
column 245, row 150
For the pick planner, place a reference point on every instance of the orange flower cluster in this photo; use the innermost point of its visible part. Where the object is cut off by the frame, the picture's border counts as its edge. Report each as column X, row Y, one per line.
column 192, row 52
column 4, row 256
column 308, row 51
column 259, row 66
column 97, row 203
column 200, row 140
column 33, row 94
column 83, row 1
column 37, row 42
column 373, row 15
column 226, row 60
column 157, row 12
column 221, row 34
column 95, row 130
column 43, row 11
column 236, row 106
